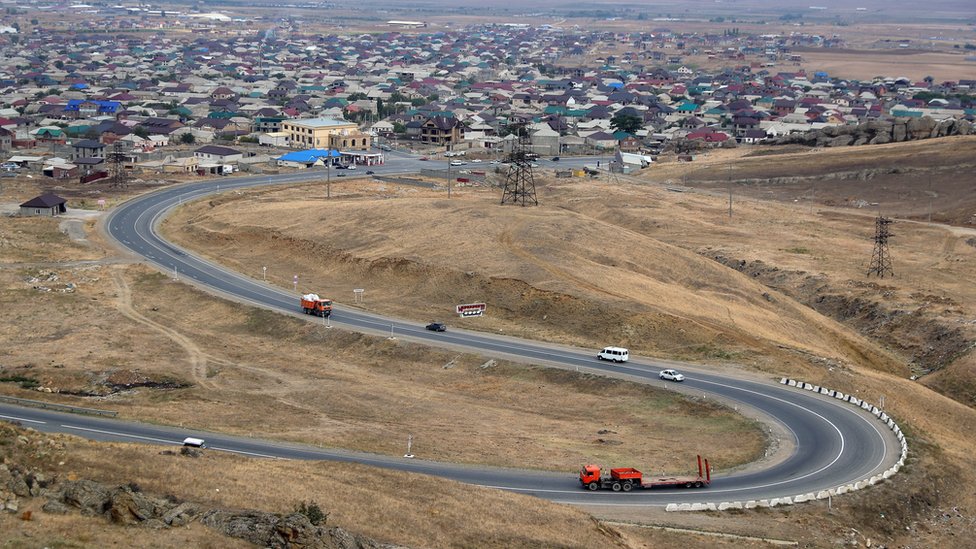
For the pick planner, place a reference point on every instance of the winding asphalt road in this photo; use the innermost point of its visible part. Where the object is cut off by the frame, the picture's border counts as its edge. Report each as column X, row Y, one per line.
column 833, row 443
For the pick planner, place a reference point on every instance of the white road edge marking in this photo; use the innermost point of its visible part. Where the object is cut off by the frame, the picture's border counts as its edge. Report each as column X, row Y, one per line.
column 23, row 419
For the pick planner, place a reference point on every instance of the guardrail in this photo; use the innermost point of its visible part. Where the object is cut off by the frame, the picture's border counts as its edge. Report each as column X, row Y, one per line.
column 822, row 494
column 58, row 407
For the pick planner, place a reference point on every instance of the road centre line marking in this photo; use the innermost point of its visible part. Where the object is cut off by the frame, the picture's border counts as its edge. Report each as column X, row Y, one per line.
column 245, row 453
column 117, row 434
column 839, row 432
column 23, row 419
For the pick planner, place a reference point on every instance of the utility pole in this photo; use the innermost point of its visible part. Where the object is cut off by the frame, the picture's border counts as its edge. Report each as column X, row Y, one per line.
column 730, row 191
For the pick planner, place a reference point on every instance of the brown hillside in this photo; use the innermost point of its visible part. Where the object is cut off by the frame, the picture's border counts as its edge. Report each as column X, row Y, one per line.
column 553, row 272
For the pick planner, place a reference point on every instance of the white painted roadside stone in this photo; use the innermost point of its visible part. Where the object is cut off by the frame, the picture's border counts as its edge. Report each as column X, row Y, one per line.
column 698, row 507
column 839, row 395
column 764, row 503
column 823, row 494
column 884, row 418
column 784, row 381
column 842, row 490
column 855, row 401
column 859, row 485
column 808, row 387
column 792, row 383
column 684, row 507
column 752, row 504
column 672, row 507
column 726, row 505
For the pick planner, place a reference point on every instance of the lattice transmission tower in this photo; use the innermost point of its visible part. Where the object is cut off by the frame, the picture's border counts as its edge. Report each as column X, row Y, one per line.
column 881, row 257
column 120, row 179
column 520, row 182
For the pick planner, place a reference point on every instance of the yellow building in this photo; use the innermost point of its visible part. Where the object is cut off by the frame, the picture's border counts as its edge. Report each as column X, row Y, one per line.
column 323, row 133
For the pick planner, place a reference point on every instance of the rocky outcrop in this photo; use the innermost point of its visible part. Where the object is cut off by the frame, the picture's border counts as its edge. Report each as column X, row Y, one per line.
column 879, row 132
column 128, row 505
column 284, row 531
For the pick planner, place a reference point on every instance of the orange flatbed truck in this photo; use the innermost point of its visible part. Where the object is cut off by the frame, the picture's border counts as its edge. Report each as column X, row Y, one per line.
column 312, row 304
column 628, row 478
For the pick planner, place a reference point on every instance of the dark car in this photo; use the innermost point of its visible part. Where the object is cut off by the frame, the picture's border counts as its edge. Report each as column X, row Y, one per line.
column 340, row 175
column 370, row 172
column 436, row 327
column 555, row 159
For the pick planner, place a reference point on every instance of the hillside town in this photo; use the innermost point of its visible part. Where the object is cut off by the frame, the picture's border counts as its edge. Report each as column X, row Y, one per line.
column 227, row 97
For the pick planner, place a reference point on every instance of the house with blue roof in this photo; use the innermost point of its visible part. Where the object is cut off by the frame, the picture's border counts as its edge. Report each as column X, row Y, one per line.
column 92, row 107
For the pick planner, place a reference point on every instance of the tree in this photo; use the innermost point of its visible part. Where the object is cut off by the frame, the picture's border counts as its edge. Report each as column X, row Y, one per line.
column 399, row 128
column 188, row 138
column 627, row 123
column 142, row 132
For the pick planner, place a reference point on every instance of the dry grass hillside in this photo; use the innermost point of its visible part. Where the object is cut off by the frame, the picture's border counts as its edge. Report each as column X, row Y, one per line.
column 668, row 274
column 819, row 251
column 560, row 272
column 123, row 337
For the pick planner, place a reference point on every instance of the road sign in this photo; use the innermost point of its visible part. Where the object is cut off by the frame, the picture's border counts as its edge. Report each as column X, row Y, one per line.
column 471, row 309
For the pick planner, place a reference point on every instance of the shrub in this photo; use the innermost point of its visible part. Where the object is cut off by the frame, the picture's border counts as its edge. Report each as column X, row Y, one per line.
column 313, row 512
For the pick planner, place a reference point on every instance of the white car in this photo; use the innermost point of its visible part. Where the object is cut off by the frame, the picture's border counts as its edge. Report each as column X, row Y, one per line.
column 476, row 160
column 671, row 375
column 457, row 163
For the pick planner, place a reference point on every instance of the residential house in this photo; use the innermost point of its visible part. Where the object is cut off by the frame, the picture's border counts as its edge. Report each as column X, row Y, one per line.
column 87, row 148
column 442, row 130
column 44, row 205
column 217, row 154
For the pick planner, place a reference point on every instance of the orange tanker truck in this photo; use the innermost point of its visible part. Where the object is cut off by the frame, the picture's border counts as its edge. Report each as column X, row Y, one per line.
column 312, row 304
column 628, row 478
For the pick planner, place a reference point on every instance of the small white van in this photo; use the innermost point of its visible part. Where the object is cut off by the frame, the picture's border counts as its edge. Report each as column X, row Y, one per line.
column 194, row 442
column 616, row 354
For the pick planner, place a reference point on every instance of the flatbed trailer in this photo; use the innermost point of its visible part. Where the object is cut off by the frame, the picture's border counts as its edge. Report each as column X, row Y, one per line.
column 627, row 478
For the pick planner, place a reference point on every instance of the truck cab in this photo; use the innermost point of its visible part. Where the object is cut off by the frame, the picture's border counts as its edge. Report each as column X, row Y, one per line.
column 590, row 476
